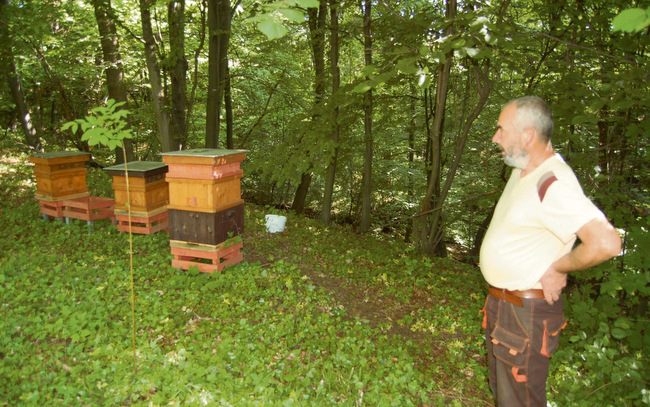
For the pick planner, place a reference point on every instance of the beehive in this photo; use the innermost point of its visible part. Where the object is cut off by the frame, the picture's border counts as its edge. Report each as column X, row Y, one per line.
column 147, row 198
column 147, row 187
column 60, row 175
column 205, row 207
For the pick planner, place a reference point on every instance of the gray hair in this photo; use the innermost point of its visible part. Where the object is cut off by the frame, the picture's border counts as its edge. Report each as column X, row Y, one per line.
column 533, row 112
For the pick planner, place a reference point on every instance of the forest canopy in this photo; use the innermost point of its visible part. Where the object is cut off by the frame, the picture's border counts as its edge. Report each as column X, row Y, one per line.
column 373, row 113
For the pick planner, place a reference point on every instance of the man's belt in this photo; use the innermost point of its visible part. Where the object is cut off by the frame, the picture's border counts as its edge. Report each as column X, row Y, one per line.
column 514, row 296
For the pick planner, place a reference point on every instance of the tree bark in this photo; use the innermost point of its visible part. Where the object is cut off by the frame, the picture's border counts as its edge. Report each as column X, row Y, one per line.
column 367, row 125
column 113, row 65
column 230, row 144
column 176, row 18
column 336, row 82
column 316, row 20
column 157, row 93
column 431, row 232
column 219, row 19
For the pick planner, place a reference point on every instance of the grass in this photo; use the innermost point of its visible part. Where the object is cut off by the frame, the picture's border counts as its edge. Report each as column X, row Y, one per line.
column 313, row 316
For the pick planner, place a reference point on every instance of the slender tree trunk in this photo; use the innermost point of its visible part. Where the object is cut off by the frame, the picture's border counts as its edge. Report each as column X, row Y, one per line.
column 219, row 19
column 317, row 19
column 229, row 119
column 7, row 60
column 367, row 124
column 336, row 81
column 203, row 6
column 113, row 65
column 31, row 134
column 157, row 93
column 411, row 158
column 431, row 232
column 176, row 18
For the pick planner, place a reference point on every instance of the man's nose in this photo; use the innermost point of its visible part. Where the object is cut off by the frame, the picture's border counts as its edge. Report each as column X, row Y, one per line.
column 497, row 137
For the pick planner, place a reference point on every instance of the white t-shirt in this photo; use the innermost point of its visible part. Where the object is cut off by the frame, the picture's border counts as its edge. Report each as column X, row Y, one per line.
column 527, row 235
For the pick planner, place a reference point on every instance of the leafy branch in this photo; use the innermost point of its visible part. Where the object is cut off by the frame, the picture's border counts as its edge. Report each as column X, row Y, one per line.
column 107, row 126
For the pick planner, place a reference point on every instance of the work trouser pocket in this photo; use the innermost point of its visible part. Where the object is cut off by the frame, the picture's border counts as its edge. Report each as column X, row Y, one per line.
column 551, row 336
column 508, row 347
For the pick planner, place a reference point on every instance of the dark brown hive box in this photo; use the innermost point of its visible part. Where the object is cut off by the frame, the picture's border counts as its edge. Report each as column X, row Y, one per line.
column 206, row 228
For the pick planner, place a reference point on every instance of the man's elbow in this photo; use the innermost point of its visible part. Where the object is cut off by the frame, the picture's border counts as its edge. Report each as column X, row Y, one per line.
column 611, row 244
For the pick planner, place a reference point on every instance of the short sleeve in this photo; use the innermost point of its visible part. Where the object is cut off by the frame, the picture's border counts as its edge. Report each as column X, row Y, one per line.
column 566, row 209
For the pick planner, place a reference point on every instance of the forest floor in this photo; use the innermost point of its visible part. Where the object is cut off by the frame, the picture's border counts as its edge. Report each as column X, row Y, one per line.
column 414, row 308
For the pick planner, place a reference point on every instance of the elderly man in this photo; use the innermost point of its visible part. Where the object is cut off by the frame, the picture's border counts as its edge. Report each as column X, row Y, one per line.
column 528, row 251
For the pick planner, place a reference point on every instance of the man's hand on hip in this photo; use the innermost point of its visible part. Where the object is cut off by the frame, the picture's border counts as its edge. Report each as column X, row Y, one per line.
column 553, row 282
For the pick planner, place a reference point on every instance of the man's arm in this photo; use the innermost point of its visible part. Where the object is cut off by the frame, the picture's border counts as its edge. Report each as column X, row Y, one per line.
column 599, row 242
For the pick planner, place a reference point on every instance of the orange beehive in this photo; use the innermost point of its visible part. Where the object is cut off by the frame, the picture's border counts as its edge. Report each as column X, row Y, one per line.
column 60, row 175
column 205, row 207
column 147, row 187
column 204, row 180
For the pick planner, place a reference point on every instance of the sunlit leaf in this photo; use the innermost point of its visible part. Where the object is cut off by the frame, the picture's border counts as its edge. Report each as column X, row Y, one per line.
column 631, row 20
column 292, row 14
column 272, row 29
column 308, row 3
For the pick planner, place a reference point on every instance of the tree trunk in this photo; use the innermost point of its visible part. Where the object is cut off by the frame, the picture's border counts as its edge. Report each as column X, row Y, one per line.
column 431, row 231
column 176, row 18
column 219, row 19
column 7, row 60
column 336, row 81
column 113, row 64
column 31, row 135
column 317, row 19
column 367, row 125
column 203, row 6
column 157, row 94
column 230, row 144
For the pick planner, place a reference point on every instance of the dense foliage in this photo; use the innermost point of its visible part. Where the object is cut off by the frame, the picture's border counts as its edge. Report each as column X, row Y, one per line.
column 589, row 59
column 313, row 316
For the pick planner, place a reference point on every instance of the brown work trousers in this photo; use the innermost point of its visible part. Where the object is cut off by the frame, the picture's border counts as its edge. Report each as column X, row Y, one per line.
column 520, row 341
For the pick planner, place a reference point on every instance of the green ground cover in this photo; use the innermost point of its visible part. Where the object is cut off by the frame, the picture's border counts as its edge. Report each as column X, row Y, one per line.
column 313, row 316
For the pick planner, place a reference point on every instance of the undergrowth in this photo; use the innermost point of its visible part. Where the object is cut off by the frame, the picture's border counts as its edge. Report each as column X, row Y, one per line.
column 312, row 316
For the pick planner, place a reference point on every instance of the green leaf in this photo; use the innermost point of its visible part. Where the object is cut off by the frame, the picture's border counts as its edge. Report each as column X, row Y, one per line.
column 631, row 20
column 272, row 29
column 369, row 70
column 407, row 66
column 362, row 87
column 292, row 14
column 308, row 3
column 619, row 333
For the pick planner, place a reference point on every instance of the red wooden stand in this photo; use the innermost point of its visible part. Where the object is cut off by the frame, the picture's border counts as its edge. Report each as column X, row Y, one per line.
column 144, row 223
column 90, row 209
column 219, row 256
column 51, row 208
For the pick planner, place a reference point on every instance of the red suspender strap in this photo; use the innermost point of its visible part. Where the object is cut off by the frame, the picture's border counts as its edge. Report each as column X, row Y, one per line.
column 544, row 182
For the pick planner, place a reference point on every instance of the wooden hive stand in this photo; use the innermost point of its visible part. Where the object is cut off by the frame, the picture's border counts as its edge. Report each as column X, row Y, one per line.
column 144, row 223
column 206, row 258
column 90, row 209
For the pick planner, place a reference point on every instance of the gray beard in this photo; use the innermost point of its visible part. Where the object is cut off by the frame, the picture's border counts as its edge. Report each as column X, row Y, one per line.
column 518, row 161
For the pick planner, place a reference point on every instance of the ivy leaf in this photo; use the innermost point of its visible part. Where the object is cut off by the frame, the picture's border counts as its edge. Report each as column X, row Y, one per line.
column 272, row 29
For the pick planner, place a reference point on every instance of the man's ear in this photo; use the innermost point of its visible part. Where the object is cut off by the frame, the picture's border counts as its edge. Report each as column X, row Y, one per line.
column 530, row 136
